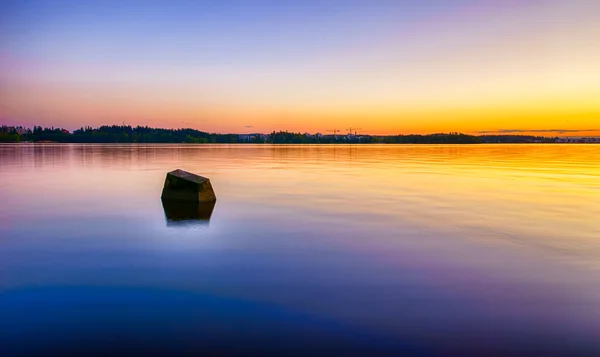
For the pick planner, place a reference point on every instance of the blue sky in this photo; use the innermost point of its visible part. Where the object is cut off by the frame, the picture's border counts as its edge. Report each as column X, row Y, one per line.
column 204, row 31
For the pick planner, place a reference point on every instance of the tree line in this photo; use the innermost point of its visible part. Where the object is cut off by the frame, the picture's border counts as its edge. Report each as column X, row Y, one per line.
column 145, row 134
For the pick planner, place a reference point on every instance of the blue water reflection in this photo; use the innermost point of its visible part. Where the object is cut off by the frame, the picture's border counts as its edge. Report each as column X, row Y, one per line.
column 123, row 321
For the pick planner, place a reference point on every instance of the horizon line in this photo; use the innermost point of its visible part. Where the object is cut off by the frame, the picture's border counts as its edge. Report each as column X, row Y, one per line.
column 500, row 132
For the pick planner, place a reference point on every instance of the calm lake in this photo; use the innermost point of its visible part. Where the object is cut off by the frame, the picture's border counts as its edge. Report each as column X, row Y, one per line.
column 425, row 250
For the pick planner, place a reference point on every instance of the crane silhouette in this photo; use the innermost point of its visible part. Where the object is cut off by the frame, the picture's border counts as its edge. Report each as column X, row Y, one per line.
column 335, row 131
column 350, row 129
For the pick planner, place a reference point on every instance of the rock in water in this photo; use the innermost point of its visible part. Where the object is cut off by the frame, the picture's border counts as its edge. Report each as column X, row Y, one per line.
column 184, row 186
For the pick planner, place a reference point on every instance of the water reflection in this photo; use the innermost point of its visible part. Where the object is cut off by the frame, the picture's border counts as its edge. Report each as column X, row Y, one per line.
column 441, row 249
column 180, row 213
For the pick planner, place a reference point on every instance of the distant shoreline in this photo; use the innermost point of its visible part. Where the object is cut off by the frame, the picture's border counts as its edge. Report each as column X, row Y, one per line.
column 121, row 134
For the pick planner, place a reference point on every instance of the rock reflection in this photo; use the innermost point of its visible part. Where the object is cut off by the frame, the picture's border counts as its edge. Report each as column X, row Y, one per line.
column 181, row 213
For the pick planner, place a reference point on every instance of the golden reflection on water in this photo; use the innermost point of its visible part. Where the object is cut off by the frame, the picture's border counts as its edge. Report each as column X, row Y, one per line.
column 537, row 196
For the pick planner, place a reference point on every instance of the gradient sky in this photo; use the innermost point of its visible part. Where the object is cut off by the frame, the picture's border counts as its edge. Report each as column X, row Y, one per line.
column 388, row 67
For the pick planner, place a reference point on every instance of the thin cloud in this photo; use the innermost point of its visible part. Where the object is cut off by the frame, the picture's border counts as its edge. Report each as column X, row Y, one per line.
column 520, row 131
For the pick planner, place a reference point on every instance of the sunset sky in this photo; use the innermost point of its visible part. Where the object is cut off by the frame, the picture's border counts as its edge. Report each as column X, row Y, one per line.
column 387, row 67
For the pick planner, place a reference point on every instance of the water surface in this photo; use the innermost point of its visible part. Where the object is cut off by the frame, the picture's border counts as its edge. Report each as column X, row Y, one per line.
column 426, row 250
